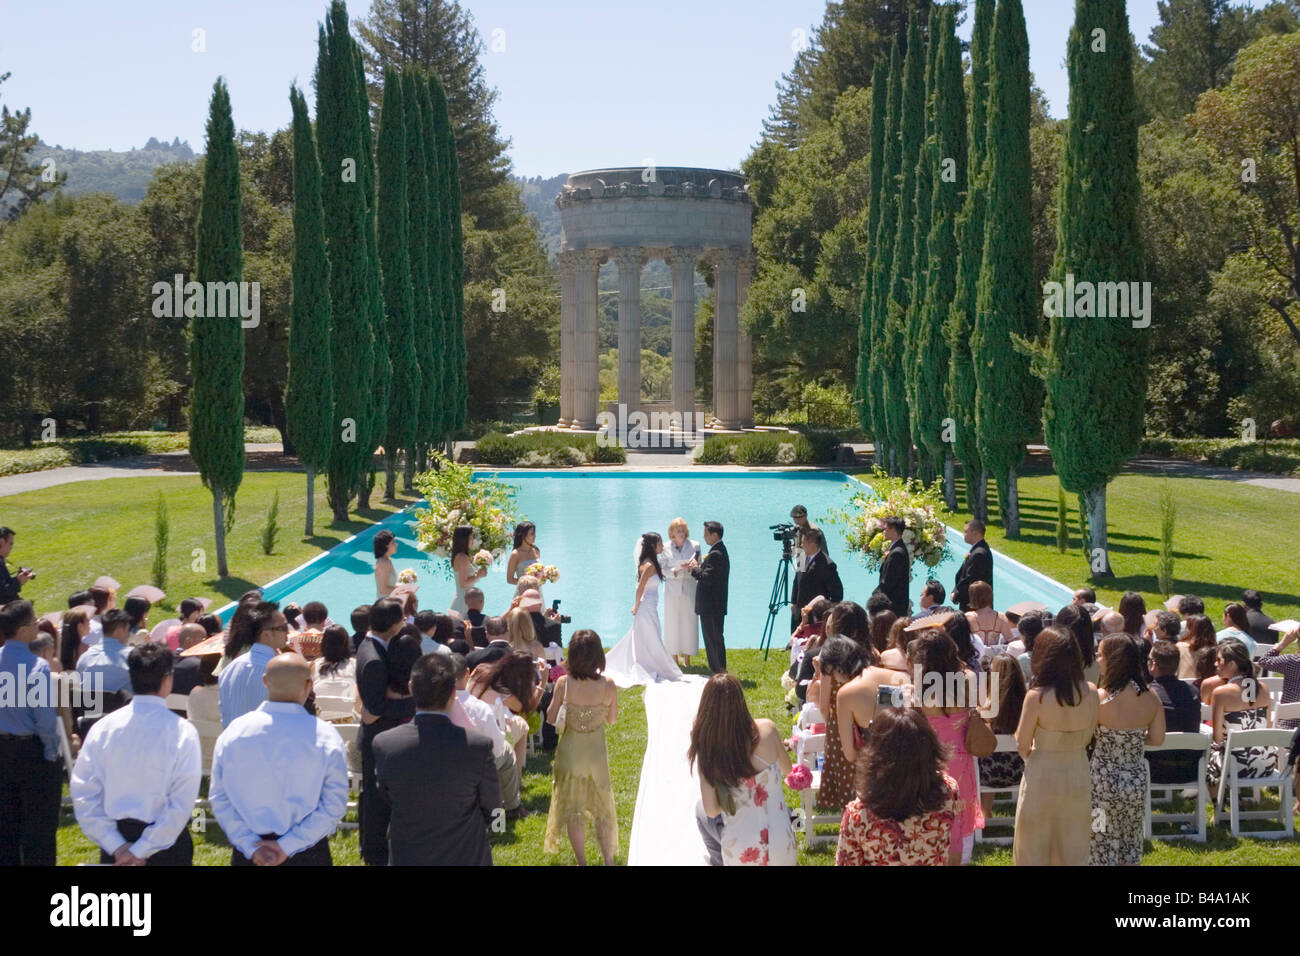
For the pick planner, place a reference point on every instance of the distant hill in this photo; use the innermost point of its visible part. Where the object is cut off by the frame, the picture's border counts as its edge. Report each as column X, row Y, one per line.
column 539, row 198
column 124, row 174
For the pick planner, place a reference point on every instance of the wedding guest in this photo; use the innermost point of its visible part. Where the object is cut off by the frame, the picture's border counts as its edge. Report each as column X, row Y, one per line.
column 1258, row 624
column 30, row 770
column 1133, row 608
column 472, row 714
column 360, row 619
column 931, row 600
column 742, row 762
column 104, row 599
column 970, row 649
column 385, row 545
column 1197, row 635
column 438, row 781
column 74, row 628
column 185, row 670
column 1129, row 717
column 1167, row 627
column 1085, row 596
column 138, row 772
column 581, row 789
column 1279, row 661
column 334, row 675
column 239, row 638
column 524, row 552
column 522, row 637
column 894, row 656
column 1073, row 619
column 511, row 686
column 463, row 542
column 991, row 627
column 475, row 616
column 1002, row 770
column 546, row 624
column 1190, row 604
column 1029, row 626
column 210, row 623
column 1182, row 715
column 840, row 661
column 106, row 661
column 241, row 686
column 815, row 636
column 43, row 647
column 279, row 783
column 681, row 624
column 315, row 618
column 907, row 808
column 525, row 583
column 497, row 632
column 812, row 621
column 1236, row 627
column 204, row 702
column 856, row 702
column 976, row 566
column 1239, row 701
column 881, row 625
column 137, row 613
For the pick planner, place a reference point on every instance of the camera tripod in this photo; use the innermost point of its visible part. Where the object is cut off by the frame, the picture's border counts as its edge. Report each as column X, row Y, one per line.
column 780, row 598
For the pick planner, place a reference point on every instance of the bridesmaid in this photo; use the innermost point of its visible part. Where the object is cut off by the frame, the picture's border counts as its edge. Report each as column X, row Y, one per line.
column 462, row 545
column 525, row 551
column 681, row 624
column 385, row 573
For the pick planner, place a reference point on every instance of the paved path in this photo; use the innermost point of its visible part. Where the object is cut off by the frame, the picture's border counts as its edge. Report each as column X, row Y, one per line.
column 663, row 824
column 1187, row 469
column 164, row 463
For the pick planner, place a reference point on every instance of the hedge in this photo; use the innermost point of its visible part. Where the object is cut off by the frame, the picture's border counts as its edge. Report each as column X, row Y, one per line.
column 814, row 448
column 1276, row 456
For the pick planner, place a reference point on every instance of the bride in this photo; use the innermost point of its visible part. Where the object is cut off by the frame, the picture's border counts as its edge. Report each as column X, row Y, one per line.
column 640, row 657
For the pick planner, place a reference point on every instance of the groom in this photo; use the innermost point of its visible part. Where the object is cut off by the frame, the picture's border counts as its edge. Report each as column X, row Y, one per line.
column 711, row 594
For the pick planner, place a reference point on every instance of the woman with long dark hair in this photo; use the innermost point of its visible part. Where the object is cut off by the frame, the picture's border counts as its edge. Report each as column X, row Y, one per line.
column 1076, row 621
column 462, row 566
column 1003, row 770
column 640, row 657
column 334, row 675
column 514, row 680
column 1197, row 635
column 1238, row 701
column 1133, row 608
column 73, row 629
column 524, row 552
column 742, row 763
column 385, row 545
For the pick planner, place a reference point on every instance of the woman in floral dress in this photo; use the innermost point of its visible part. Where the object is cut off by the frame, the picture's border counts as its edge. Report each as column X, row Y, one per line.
column 1239, row 702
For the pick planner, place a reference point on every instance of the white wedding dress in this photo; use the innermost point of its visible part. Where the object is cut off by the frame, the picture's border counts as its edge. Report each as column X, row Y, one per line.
column 640, row 657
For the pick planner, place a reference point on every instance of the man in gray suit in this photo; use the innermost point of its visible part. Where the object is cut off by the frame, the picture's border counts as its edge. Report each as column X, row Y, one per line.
column 438, row 780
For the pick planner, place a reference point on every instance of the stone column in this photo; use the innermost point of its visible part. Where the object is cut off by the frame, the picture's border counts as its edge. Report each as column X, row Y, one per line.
column 586, row 394
column 744, row 348
column 568, row 263
column 682, row 262
column 725, row 321
column 629, row 327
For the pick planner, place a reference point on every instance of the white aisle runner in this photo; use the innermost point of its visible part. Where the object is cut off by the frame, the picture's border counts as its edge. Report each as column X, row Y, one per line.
column 663, row 824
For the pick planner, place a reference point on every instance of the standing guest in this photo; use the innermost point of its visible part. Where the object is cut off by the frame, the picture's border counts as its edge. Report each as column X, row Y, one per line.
column 137, row 612
column 185, row 670
column 497, row 632
column 841, row 660
column 931, row 599
column 138, row 772
column 1085, row 596
column 30, row 771
column 524, row 552
column 1197, row 635
column 1073, row 619
column 280, row 776
column 10, row 584
column 360, row 620
column 241, row 686
column 1288, row 665
column 1128, row 718
column 385, row 545
column 1236, row 627
column 438, row 781
column 742, row 762
column 1058, row 721
column 1258, row 624
column 896, row 568
column 1238, row 701
column 712, row 577
column 73, row 630
column 820, row 576
column 475, row 616
column 334, row 675
column 1003, row 770
column 856, row 702
column 581, row 790
column 1133, row 608
column 681, row 626
column 976, row 566
column 472, row 714
column 106, row 662
column 463, row 542
column 1182, row 715
column 907, row 808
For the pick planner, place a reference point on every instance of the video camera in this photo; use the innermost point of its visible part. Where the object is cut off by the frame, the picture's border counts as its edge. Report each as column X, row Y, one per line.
column 783, row 532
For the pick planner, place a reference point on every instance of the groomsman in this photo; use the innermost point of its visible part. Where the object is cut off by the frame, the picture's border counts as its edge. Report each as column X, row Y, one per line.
column 711, row 595
column 976, row 566
column 896, row 569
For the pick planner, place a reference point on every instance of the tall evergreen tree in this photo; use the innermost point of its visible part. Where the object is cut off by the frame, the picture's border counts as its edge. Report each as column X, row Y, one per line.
column 948, row 163
column 879, row 107
column 338, row 140
column 883, row 254
column 417, row 232
column 1007, row 302
column 1096, row 367
column 309, row 395
column 217, row 341
column 912, row 133
column 439, row 266
column 381, row 368
column 970, row 233
column 454, row 293
column 399, row 298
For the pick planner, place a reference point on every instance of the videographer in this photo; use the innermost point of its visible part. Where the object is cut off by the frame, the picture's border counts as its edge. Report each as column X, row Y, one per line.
column 819, row 576
column 10, row 584
column 798, row 515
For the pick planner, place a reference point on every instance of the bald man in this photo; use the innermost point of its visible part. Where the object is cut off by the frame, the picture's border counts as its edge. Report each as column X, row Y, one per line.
column 280, row 776
column 1112, row 622
column 186, row 670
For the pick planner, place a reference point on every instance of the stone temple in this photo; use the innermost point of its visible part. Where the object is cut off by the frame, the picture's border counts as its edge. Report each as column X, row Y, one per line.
column 685, row 216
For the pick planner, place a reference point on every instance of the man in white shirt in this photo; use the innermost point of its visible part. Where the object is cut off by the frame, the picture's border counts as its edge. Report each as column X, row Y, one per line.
column 481, row 717
column 279, row 783
column 135, row 780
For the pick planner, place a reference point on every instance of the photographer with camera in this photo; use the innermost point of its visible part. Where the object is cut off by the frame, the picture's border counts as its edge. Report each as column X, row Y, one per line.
column 10, row 584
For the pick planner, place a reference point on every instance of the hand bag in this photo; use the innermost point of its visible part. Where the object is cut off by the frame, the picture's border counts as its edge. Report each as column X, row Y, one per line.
column 980, row 741
column 560, row 714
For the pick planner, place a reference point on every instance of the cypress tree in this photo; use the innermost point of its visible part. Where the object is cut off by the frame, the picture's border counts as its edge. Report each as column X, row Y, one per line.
column 884, row 260
column 970, row 232
column 439, row 264
column 454, row 294
column 1007, row 303
column 1096, row 367
column 417, row 199
column 381, row 368
column 338, row 140
column 399, row 298
column 912, row 133
column 309, row 394
column 879, row 106
column 217, row 342
column 948, row 163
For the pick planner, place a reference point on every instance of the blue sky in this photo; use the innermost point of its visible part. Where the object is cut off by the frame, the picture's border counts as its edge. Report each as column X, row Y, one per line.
column 582, row 84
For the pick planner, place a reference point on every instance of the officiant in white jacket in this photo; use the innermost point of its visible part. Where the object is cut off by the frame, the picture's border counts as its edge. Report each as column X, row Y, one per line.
column 681, row 623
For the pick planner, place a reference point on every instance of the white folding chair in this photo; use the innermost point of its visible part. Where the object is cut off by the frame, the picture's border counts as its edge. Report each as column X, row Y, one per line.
column 209, row 731
column 1200, row 744
column 1006, row 744
column 180, row 702
column 813, row 745
column 1229, row 781
column 1274, row 685
column 349, row 733
column 1289, row 711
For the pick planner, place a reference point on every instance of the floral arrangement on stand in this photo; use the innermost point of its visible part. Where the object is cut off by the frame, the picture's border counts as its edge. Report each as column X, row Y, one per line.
column 545, row 573
column 455, row 496
column 921, row 508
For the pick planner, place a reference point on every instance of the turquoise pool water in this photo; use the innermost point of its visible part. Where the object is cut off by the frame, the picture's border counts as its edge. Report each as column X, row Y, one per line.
column 588, row 524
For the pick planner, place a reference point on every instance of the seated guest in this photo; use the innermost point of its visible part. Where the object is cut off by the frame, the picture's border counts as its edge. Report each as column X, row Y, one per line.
column 1197, row 635
column 546, row 624
column 204, row 702
column 498, row 643
column 334, row 675
column 1190, row 604
column 137, row 611
column 812, row 624
column 522, row 636
column 894, row 656
column 472, row 714
column 436, row 632
column 1236, row 627
column 437, row 781
column 279, row 783
column 989, row 626
column 1029, row 626
column 104, row 599
column 1240, row 702
column 856, row 702
column 816, row 637
column 742, row 762
column 190, row 610
column 512, row 686
column 138, row 772
column 474, row 609
column 1288, row 665
column 1085, row 596
column 210, row 623
column 1004, row 769
column 360, row 625
column 1133, row 608
column 1182, row 713
column 1167, row 627
column 242, row 688
column 880, row 625
column 1112, row 622
column 73, row 630
column 106, row 660
column 1207, row 665
column 970, row 649
column 931, row 600
column 43, row 647
column 1258, row 624
column 239, row 638
column 315, row 618
column 840, row 661
column 907, row 807
column 185, row 670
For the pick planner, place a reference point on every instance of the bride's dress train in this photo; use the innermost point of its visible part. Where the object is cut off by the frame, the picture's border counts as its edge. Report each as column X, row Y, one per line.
column 640, row 657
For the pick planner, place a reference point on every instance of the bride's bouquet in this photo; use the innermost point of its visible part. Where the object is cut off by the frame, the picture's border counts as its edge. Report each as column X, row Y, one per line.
column 922, row 510
column 482, row 559
column 455, row 496
column 545, row 573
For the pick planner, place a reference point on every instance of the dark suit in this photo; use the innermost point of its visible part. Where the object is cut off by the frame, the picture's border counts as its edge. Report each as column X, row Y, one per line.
column 1258, row 627
column 492, row 652
column 711, row 603
column 185, row 673
column 372, row 686
column 9, row 584
column 895, row 576
column 547, row 631
column 976, row 566
column 440, row 784
column 819, row 577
